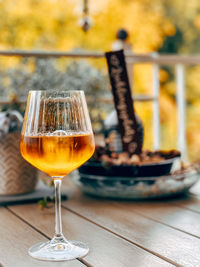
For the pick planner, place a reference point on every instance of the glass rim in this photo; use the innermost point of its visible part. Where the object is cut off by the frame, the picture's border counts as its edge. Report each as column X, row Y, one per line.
column 57, row 91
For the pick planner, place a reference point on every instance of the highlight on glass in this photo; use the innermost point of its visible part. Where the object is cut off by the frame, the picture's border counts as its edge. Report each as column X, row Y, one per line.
column 57, row 138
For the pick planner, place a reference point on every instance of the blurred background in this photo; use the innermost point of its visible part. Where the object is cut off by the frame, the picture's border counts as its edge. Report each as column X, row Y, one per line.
column 83, row 26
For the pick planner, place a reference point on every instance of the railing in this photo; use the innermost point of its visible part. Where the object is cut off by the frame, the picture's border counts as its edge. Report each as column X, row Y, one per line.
column 154, row 59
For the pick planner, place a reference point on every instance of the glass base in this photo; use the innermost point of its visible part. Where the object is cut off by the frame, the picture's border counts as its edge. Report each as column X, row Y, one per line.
column 57, row 250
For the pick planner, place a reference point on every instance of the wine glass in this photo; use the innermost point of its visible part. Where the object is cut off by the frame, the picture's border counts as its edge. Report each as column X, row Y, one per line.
column 57, row 138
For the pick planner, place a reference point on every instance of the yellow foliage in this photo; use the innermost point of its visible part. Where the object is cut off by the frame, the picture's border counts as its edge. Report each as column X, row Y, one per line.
column 46, row 24
column 163, row 75
column 53, row 25
column 145, row 112
column 36, row 24
column 193, row 131
column 197, row 21
column 192, row 83
column 168, row 118
column 142, row 78
column 169, row 28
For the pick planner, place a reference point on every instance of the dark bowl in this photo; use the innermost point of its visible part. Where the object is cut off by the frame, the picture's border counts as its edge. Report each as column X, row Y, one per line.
column 144, row 170
column 136, row 187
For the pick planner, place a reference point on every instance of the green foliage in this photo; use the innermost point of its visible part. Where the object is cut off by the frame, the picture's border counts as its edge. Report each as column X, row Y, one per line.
column 43, row 74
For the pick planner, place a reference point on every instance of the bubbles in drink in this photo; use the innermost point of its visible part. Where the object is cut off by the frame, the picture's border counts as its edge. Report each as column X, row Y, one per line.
column 59, row 133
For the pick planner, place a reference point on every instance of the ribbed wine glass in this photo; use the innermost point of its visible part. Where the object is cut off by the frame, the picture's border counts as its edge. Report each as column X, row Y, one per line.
column 57, row 138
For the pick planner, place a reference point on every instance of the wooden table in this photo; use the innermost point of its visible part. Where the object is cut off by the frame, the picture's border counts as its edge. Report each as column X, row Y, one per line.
column 119, row 233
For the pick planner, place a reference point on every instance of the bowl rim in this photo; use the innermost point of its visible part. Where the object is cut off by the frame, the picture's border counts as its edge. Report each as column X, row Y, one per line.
column 164, row 162
column 179, row 176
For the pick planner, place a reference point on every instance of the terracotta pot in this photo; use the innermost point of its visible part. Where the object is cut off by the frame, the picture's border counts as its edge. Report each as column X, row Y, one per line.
column 17, row 176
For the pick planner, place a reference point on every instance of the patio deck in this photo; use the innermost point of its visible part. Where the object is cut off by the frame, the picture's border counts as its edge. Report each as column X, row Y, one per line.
column 119, row 233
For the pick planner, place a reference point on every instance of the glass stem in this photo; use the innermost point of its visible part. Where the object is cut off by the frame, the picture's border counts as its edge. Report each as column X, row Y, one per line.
column 58, row 225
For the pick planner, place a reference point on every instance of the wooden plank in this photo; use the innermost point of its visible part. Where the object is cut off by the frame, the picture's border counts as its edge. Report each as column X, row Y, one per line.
column 171, row 215
column 46, row 54
column 190, row 201
column 127, row 220
column 163, row 59
column 106, row 249
column 15, row 239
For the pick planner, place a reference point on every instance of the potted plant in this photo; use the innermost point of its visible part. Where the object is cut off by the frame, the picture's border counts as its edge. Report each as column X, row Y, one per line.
column 40, row 74
column 17, row 176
